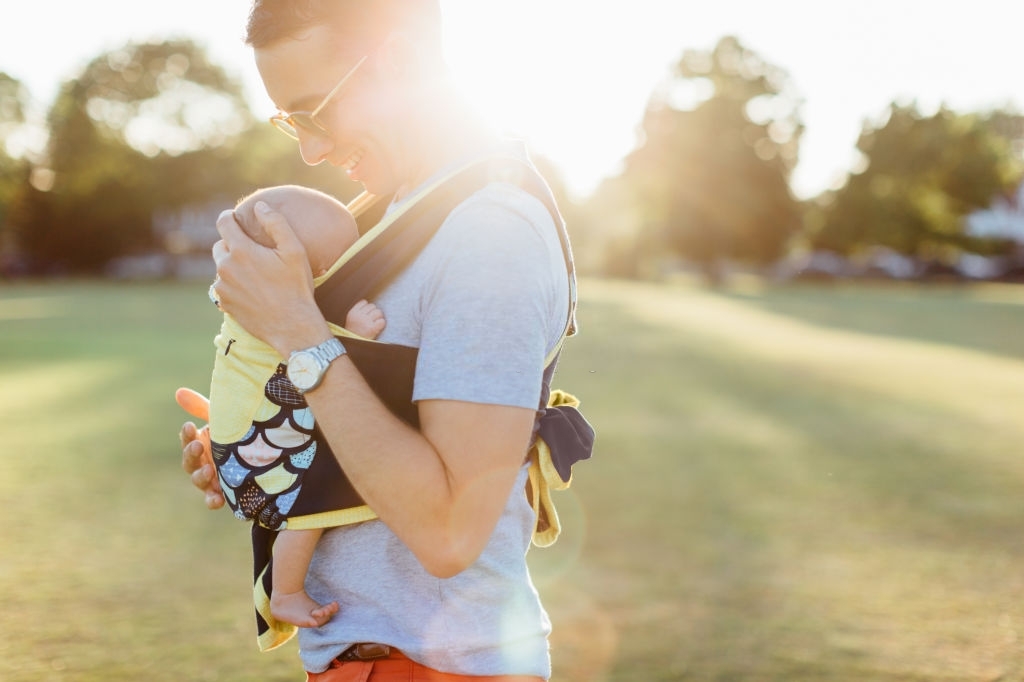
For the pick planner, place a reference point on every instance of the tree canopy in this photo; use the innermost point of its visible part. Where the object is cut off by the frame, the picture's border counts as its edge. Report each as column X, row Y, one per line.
column 113, row 130
column 920, row 176
column 711, row 176
column 13, row 171
column 151, row 128
column 146, row 128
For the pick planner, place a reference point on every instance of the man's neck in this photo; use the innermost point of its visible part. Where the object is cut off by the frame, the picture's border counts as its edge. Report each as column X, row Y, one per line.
column 448, row 135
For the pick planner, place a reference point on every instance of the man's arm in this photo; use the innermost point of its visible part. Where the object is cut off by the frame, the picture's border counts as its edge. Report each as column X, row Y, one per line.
column 441, row 489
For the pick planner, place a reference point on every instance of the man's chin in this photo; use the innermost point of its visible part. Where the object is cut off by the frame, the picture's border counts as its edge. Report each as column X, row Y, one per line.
column 376, row 186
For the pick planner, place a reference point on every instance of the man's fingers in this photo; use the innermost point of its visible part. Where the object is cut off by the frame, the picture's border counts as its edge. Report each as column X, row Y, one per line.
column 220, row 251
column 214, row 500
column 203, row 476
column 195, row 457
column 277, row 227
column 187, row 433
column 230, row 231
column 192, row 456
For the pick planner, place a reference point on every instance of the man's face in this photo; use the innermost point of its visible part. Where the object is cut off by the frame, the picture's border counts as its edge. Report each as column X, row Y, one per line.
column 363, row 120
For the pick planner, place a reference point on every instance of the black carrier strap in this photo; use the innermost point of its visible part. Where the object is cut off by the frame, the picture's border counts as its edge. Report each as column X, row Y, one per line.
column 379, row 261
column 389, row 368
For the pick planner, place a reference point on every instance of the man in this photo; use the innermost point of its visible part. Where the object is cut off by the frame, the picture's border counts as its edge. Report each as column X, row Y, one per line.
column 441, row 578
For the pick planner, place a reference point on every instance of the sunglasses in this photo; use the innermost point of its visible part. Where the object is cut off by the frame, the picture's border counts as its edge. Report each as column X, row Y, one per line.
column 308, row 121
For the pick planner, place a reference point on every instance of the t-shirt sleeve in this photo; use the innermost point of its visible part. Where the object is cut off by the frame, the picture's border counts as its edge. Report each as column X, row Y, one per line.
column 490, row 306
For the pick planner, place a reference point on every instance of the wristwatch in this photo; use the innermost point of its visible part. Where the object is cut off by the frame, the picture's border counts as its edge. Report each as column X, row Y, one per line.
column 306, row 367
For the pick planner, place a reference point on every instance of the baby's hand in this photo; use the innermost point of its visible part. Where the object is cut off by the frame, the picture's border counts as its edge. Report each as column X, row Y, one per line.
column 365, row 319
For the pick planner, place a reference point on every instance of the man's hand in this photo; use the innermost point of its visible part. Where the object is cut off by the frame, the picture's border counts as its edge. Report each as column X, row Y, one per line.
column 269, row 291
column 196, row 459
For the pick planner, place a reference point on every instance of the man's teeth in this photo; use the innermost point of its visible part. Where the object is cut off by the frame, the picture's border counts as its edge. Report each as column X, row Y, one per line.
column 353, row 160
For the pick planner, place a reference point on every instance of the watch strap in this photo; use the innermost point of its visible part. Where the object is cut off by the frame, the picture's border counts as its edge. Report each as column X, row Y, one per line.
column 328, row 351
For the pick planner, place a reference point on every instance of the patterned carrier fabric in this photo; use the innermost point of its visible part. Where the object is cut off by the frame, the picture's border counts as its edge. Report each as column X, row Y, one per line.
column 262, row 473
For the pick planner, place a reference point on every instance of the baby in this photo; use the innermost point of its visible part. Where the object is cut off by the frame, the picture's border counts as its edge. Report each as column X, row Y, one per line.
column 262, row 433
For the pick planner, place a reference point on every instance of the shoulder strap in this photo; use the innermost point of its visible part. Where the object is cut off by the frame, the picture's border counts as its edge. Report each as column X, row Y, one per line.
column 388, row 247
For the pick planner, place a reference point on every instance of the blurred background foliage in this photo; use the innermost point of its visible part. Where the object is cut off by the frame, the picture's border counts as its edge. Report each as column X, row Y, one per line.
column 156, row 129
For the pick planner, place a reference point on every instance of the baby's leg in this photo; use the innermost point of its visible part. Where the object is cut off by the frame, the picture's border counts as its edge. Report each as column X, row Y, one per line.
column 293, row 550
column 365, row 319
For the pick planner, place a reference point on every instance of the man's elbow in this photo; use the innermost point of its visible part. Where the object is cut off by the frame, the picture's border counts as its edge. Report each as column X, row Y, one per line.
column 447, row 559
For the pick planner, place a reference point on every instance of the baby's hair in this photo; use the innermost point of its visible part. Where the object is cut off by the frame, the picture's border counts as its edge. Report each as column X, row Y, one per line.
column 246, row 219
column 277, row 197
column 324, row 235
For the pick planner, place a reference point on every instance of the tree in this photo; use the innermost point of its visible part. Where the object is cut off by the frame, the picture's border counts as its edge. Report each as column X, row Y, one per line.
column 711, row 176
column 921, row 175
column 121, row 136
column 13, row 99
column 13, row 171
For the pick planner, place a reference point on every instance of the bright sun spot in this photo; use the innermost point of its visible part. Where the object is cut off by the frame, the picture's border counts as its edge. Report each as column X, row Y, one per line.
column 525, row 77
column 573, row 76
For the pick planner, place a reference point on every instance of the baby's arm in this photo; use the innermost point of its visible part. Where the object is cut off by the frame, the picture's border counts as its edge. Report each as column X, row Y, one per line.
column 365, row 319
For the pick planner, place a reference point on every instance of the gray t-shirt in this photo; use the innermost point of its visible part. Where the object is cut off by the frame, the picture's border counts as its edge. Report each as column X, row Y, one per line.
column 485, row 301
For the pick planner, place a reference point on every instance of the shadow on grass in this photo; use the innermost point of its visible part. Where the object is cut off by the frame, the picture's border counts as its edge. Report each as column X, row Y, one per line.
column 799, row 528
column 744, row 519
column 667, row 382
column 987, row 317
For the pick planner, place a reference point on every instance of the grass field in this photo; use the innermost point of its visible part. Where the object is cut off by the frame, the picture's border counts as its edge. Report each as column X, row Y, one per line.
column 789, row 484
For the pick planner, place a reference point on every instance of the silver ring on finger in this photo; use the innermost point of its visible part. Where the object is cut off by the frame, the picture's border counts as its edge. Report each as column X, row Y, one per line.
column 212, row 293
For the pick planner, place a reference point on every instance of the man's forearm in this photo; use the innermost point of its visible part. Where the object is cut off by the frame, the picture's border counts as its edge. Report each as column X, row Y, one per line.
column 441, row 489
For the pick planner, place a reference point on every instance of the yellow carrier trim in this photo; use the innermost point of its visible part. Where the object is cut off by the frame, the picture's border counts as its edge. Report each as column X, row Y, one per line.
column 329, row 519
column 543, row 478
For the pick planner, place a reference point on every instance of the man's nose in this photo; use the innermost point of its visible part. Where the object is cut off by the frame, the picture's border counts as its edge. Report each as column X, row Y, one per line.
column 314, row 148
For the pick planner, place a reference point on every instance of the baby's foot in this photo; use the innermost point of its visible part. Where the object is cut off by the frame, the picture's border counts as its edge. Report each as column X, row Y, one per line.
column 365, row 319
column 299, row 609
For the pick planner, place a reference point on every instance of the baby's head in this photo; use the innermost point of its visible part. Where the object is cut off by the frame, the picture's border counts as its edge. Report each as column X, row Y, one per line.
column 322, row 223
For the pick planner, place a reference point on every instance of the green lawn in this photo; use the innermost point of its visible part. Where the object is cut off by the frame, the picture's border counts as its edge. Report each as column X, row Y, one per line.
column 808, row 483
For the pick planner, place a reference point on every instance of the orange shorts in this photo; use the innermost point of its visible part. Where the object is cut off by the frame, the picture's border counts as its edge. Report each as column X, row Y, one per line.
column 397, row 667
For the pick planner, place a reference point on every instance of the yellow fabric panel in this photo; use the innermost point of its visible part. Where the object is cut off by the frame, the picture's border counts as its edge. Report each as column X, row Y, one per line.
column 276, row 480
column 241, row 370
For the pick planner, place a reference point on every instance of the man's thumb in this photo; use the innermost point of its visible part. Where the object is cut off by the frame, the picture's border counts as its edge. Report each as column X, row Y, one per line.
column 275, row 224
column 194, row 403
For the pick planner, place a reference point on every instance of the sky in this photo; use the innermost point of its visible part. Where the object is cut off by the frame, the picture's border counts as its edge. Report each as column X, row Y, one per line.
column 574, row 76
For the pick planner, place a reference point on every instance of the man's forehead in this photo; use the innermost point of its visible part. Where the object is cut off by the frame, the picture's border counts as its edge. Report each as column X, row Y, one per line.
column 298, row 71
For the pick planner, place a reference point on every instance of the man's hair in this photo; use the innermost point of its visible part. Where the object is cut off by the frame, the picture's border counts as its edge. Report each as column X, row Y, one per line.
column 365, row 23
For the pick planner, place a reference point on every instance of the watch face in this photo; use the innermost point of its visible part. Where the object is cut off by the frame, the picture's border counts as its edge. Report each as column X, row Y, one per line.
column 303, row 371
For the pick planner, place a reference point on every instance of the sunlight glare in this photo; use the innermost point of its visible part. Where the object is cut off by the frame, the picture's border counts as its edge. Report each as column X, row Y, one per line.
column 548, row 80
